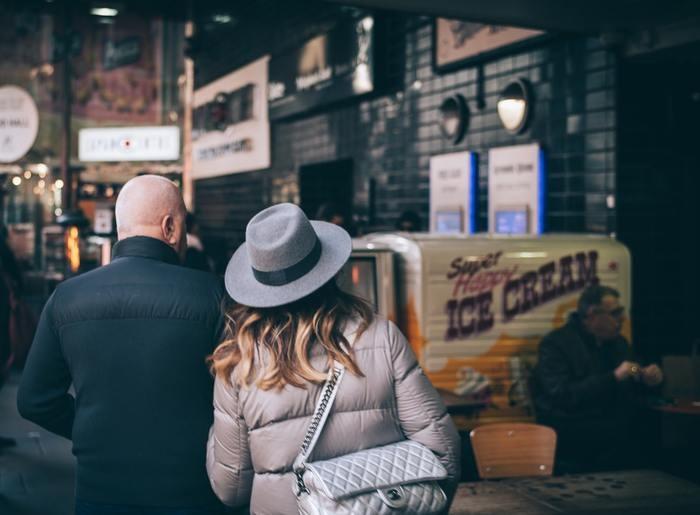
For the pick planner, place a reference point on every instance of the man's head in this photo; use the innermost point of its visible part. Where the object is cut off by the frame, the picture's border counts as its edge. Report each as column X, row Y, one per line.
column 409, row 221
column 332, row 213
column 152, row 206
column 600, row 311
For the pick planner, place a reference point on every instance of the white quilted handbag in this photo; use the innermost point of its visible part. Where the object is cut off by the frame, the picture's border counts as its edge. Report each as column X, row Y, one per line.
column 397, row 478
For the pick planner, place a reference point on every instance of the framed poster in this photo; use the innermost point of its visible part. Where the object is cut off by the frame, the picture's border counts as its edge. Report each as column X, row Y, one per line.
column 116, row 73
column 453, row 193
column 517, row 189
column 458, row 43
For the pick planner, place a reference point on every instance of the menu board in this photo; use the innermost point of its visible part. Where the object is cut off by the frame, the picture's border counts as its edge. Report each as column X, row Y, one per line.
column 516, row 189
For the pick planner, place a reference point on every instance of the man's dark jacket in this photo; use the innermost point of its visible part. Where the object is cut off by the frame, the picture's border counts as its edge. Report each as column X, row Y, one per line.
column 132, row 338
column 574, row 385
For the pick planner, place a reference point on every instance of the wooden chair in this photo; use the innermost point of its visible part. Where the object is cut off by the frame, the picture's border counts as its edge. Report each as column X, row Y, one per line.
column 512, row 450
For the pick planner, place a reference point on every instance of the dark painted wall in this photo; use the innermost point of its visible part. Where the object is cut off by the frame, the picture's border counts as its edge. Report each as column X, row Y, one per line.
column 658, row 211
column 392, row 136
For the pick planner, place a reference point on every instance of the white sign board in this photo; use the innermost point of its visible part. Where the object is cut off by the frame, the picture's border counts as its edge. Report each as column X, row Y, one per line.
column 161, row 143
column 516, row 190
column 19, row 123
column 243, row 144
column 452, row 193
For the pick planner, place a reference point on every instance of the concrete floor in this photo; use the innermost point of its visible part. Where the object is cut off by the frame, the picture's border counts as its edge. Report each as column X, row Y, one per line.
column 37, row 477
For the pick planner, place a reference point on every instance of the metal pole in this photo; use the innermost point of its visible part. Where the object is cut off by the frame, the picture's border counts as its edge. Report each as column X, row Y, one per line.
column 66, row 115
column 187, row 183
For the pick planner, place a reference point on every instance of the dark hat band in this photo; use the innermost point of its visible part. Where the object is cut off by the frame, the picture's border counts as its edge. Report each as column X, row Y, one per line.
column 291, row 273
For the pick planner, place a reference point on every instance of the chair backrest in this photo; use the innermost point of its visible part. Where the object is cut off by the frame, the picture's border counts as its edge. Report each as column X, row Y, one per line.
column 512, row 450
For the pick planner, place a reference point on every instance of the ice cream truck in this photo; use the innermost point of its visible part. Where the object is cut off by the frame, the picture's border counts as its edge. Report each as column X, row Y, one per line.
column 474, row 308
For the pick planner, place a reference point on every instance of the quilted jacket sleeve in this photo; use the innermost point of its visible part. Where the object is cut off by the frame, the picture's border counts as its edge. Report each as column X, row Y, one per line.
column 228, row 454
column 421, row 412
column 43, row 394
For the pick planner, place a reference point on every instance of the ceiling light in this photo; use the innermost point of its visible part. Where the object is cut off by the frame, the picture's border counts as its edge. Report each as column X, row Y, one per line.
column 104, row 11
column 221, row 18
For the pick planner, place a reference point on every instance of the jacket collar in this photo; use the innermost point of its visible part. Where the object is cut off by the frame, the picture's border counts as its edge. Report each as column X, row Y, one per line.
column 145, row 247
column 577, row 324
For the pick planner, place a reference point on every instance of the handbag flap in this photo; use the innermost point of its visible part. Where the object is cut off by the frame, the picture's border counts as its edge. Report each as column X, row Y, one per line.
column 400, row 463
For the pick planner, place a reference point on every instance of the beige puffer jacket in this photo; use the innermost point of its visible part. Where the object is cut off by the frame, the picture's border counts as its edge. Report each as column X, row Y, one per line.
column 257, row 434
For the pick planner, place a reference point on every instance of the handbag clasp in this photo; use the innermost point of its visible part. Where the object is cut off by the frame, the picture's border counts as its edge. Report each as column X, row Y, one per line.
column 394, row 496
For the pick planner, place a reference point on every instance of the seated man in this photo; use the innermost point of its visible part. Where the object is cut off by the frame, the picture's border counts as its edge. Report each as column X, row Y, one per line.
column 585, row 383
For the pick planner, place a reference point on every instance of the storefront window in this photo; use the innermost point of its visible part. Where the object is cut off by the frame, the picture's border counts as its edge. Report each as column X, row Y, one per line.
column 126, row 72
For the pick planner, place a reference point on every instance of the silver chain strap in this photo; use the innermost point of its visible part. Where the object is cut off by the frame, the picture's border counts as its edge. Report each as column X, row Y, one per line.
column 328, row 389
column 313, row 426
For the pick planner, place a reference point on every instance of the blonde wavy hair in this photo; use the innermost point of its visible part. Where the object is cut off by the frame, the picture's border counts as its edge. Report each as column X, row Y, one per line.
column 285, row 336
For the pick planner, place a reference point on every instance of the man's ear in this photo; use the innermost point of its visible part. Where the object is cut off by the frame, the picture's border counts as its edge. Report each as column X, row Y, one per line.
column 167, row 227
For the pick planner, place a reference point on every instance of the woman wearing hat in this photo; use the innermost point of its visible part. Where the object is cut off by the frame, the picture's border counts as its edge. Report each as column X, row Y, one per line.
column 290, row 324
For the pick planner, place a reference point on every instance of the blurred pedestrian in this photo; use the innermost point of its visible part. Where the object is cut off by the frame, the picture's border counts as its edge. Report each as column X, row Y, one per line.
column 17, row 319
column 196, row 257
column 409, row 221
column 6, row 285
column 9, row 262
column 586, row 383
column 10, row 283
column 332, row 213
column 291, row 323
column 132, row 338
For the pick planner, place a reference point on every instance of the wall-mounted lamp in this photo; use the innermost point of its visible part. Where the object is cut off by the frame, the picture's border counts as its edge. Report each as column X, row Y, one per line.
column 104, row 11
column 454, row 118
column 514, row 106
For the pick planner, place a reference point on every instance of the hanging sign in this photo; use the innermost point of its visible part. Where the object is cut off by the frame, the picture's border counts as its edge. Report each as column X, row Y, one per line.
column 231, row 130
column 19, row 123
column 160, row 143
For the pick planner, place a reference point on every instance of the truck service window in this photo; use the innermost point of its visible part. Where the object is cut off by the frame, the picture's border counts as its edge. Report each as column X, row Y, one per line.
column 359, row 277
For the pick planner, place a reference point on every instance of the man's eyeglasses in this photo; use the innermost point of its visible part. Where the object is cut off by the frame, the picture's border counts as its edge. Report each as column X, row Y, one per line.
column 618, row 312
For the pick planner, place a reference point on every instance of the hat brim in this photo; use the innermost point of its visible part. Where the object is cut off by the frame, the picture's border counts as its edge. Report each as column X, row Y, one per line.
column 244, row 288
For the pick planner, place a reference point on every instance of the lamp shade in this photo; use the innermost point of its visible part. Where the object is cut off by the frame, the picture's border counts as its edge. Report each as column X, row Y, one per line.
column 454, row 118
column 514, row 106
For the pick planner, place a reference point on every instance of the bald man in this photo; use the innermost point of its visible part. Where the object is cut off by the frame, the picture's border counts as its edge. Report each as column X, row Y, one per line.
column 132, row 338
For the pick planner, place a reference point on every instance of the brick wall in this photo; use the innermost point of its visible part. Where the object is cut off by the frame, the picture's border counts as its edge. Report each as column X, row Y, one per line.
column 391, row 137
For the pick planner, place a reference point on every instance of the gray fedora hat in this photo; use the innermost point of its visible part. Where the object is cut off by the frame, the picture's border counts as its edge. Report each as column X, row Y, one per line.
column 285, row 257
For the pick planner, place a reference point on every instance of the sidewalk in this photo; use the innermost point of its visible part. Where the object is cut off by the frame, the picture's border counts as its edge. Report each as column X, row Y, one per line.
column 37, row 477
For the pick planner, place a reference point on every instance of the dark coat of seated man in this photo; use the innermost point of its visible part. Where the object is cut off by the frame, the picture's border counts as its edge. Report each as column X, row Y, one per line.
column 585, row 384
column 132, row 338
